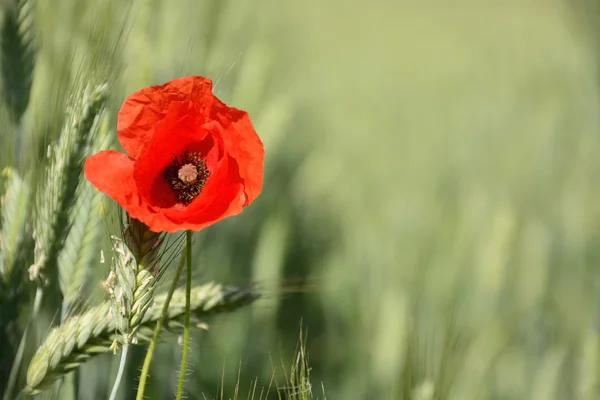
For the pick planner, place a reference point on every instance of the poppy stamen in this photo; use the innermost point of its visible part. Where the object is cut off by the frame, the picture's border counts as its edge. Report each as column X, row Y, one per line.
column 187, row 176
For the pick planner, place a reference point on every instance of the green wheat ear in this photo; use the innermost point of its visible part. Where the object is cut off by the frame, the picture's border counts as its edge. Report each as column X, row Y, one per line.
column 18, row 56
column 56, row 194
column 15, row 207
column 16, row 246
column 82, row 245
column 93, row 332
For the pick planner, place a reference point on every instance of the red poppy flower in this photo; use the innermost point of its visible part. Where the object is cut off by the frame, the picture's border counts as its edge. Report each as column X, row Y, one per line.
column 191, row 160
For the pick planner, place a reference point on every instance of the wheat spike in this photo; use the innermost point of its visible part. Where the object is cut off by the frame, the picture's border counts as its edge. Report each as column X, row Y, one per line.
column 56, row 196
column 83, row 241
column 93, row 332
column 15, row 247
column 81, row 245
column 131, row 289
column 143, row 243
column 133, row 276
column 14, row 216
column 18, row 56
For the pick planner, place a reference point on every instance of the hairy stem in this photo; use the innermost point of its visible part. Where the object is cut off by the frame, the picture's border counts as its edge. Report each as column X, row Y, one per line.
column 157, row 329
column 186, row 321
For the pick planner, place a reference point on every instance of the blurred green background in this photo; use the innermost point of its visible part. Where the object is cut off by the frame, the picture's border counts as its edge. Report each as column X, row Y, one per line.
column 431, row 209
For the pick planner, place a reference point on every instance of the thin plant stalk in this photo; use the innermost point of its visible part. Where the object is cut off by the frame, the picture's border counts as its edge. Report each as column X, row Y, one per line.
column 14, row 371
column 157, row 329
column 123, row 361
column 186, row 321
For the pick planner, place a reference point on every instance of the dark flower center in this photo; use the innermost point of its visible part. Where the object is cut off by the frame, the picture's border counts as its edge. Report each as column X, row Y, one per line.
column 187, row 176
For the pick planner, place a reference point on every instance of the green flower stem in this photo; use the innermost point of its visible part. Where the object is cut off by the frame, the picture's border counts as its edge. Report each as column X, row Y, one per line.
column 186, row 321
column 157, row 329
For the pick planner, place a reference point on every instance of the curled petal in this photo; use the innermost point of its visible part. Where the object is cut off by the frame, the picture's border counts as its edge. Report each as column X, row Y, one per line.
column 142, row 110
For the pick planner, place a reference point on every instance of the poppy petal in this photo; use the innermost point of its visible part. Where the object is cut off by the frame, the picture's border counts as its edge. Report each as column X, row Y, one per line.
column 111, row 172
column 242, row 144
column 141, row 111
